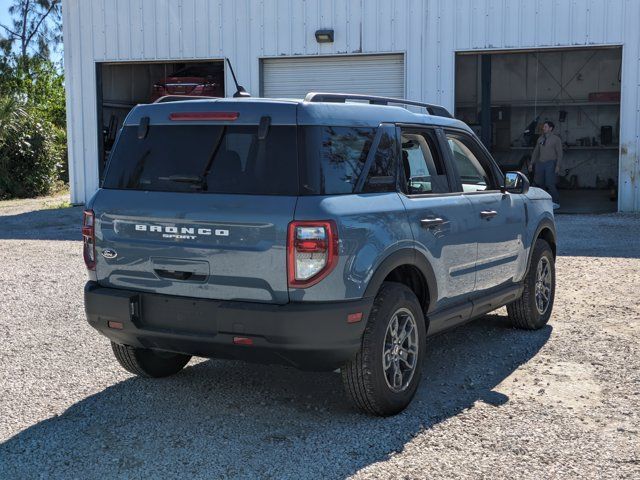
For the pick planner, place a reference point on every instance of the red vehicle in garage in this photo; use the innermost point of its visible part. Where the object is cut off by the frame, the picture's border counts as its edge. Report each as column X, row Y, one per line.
column 192, row 81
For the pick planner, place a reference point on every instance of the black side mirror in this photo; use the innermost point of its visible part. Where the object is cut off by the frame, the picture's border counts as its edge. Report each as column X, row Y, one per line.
column 515, row 182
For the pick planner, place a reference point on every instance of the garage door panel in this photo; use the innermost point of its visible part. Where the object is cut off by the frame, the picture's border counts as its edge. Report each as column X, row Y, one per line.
column 365, row 74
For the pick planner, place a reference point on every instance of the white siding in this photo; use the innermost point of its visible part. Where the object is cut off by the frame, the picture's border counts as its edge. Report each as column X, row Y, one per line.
column 428, row 32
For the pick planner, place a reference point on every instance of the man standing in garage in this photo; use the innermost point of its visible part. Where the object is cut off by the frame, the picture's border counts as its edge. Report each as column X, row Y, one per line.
column 546, row 160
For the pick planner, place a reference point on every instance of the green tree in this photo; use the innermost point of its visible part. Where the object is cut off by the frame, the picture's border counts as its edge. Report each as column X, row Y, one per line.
column 33, row 156
column 37, row 84
column 35, row 28
column 11, row 114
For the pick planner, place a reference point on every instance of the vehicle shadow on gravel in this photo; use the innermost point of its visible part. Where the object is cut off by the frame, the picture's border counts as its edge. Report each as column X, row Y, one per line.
column 221, row 419
column 48, row 224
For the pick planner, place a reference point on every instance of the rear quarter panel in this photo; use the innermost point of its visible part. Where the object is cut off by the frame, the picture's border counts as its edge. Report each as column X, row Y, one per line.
column 370, row 228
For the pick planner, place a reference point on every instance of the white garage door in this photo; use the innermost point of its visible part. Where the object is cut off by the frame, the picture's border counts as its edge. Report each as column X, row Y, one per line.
column 289, row 77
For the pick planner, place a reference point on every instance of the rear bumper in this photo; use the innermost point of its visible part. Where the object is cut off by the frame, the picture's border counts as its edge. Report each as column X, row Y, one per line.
column 309, row 336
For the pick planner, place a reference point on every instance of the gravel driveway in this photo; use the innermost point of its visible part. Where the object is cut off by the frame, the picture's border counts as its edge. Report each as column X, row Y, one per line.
column 494, row 402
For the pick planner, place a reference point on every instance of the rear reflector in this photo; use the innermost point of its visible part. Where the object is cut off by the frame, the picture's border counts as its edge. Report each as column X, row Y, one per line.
column 191, row 116
column 242, row 341
column 116, row 325
column 354, row 317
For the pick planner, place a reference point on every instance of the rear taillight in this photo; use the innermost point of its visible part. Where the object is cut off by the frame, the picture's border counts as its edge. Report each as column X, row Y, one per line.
column 89, row 239
column 312, row 252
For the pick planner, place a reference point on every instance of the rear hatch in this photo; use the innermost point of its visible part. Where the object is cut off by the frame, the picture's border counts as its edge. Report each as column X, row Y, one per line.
column 196, row 201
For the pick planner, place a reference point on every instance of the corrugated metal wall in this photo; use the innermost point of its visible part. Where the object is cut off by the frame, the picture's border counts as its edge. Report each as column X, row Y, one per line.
column 428, row 31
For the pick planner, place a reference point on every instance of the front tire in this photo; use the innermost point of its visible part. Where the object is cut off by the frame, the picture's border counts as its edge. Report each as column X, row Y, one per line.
column 384, row 375
column 533, row 309
column 149, row 363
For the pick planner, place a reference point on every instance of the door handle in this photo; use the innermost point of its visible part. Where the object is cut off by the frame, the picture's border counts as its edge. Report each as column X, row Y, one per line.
column 431, row 222
column 488, row 214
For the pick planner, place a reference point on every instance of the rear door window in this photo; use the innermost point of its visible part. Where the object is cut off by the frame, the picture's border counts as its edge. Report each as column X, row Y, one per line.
column 422, row 164
column 205, row 159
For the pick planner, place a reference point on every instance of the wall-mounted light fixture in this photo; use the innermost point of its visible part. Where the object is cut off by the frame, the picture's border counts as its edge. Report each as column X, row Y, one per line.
column 324, row 36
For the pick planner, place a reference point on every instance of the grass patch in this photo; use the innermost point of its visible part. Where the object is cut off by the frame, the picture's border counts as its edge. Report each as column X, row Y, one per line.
column 57, row 205
column 51, row 202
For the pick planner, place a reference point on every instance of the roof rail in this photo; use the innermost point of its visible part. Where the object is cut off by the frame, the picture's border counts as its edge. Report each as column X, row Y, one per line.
column 181, row 98
column 436, row 110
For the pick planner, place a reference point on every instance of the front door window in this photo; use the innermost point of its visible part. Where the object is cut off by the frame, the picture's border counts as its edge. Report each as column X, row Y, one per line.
column 473, row 176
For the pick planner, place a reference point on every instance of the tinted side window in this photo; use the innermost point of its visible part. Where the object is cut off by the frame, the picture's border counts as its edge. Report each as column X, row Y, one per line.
column 421, row 164
column 382, row 174
column 332, row 158
column 473, row 176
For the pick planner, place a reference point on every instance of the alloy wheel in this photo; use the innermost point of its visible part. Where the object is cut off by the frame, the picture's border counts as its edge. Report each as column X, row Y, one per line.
column 543, row 285
column 400, row 354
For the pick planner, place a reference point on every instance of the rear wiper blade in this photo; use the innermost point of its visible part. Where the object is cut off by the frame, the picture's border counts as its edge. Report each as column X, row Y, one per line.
column 198, row 180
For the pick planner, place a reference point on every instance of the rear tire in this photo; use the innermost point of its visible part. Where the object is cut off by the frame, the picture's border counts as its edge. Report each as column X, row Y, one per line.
column 149, row 363
column 533, row 309
column 384, row 375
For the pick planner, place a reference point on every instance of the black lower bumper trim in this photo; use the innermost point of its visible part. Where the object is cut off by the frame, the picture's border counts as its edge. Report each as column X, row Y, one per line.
column 309, row 336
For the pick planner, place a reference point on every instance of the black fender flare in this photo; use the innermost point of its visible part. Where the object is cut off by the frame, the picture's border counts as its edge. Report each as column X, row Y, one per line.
column 545, row 223
column 405, row 256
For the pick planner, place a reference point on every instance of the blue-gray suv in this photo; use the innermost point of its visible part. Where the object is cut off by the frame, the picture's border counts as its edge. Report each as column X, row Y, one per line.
column 338, row 231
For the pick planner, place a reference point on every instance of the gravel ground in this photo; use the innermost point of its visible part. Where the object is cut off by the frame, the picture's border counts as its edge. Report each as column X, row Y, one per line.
column 562, row 402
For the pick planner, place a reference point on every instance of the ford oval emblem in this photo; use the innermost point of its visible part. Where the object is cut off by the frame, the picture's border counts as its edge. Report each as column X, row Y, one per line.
column 108, row 253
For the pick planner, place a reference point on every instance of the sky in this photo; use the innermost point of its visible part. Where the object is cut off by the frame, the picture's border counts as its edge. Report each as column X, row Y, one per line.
column 4, row 12
column 5, row 19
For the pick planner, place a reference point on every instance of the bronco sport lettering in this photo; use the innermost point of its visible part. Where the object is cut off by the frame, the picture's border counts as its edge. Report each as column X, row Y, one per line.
column 181, row 232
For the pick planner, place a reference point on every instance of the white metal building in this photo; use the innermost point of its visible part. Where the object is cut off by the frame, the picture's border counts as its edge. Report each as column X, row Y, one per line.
column 391, row 47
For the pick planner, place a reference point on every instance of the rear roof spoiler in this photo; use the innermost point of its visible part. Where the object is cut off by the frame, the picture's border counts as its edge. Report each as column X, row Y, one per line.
column 435, row 110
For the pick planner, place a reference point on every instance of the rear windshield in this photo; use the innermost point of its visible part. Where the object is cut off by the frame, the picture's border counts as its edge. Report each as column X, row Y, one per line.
column 205, row 159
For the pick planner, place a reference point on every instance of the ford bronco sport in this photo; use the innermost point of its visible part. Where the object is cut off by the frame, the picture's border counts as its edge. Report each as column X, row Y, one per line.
column 321, row 234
